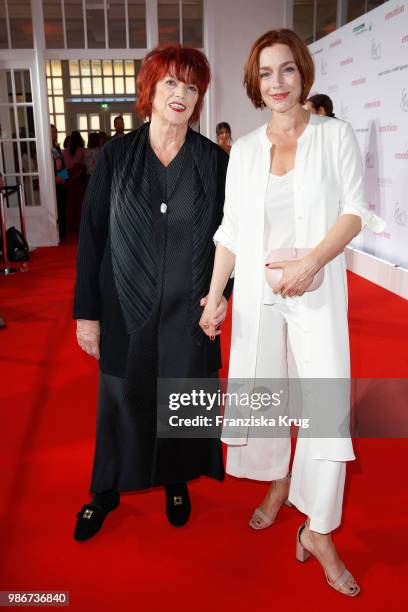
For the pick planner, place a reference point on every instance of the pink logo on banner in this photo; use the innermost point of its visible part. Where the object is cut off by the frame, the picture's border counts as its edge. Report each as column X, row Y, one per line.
column 348, row 60
column 397, row 11
column 404, row 39
column 373, row 104
column 359, row 81
column 387, row 128
column 335, row 43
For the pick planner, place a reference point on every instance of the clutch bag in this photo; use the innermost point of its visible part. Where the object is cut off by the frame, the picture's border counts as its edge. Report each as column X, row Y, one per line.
column 274, row 276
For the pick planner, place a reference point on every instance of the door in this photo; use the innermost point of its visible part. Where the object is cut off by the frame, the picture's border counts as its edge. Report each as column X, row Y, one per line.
column 23, row 155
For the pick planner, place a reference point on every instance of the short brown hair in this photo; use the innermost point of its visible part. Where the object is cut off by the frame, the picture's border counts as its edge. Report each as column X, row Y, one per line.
column 185, row 63
column 301, row 54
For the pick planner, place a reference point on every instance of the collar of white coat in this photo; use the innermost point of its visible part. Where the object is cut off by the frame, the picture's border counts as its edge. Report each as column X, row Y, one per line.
column 313, row 121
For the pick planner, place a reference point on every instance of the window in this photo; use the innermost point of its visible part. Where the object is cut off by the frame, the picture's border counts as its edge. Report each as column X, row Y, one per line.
column 18, row 150
column 54, row 32
column 303, row 20
column 103, row 77
column 93, row 24
column 16, row 29
column 56, row 104
column 326, row 16
column 87, row 123
column 181, row 21
column 313, row 19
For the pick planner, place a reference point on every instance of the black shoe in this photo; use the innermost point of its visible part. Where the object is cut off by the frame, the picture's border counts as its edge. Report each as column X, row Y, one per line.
column 91, row 517
column 178, row 505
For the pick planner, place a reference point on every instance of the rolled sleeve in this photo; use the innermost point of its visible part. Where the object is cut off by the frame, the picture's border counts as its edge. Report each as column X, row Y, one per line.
column 227, row 232
column 353, row 199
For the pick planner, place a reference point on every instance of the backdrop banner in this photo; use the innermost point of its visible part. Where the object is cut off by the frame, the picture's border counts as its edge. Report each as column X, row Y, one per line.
column 363, row 67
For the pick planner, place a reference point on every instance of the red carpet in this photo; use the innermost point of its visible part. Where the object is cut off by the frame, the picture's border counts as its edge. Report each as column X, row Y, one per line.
column 138, row 561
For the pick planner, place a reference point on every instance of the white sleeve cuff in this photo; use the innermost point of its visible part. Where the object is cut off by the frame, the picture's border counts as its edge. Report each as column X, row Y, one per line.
column 368, row 218
column 222, row 237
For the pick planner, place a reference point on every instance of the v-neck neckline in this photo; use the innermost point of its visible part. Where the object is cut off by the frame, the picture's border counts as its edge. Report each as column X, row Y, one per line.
column 270, row 144
column 175, row 158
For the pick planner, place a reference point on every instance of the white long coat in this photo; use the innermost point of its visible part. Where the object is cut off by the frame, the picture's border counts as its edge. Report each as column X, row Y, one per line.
column 328, row 182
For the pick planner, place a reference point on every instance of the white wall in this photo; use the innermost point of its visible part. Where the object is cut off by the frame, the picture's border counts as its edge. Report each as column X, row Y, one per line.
column 231, row 27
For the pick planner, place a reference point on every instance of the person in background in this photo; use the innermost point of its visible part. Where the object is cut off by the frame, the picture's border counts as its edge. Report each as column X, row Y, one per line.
column 223, row 131
column 74, row 163
column 319, row 104
column 119, row 125
column 61, row 176
column 91, row 154
column 103, row 139
column 73, row 153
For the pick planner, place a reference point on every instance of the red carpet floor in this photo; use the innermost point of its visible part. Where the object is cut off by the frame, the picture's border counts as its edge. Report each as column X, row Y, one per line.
column 138, row 561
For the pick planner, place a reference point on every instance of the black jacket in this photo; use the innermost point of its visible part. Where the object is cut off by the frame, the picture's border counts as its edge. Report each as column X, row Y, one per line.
column 120, row 162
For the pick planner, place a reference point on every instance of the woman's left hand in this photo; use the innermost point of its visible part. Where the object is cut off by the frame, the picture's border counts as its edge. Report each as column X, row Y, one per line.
column 297, row 275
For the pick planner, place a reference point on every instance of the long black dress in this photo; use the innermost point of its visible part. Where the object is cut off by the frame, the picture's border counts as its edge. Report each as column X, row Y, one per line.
column 128, row 456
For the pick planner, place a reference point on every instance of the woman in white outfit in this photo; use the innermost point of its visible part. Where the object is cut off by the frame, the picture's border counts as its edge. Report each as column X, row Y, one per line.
column 295, row 182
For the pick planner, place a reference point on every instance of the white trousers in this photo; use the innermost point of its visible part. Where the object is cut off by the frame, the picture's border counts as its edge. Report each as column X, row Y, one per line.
column 317, row 485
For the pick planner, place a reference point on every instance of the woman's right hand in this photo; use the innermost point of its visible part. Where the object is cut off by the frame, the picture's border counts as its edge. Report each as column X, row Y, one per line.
column 88, row 334
column 209, row 322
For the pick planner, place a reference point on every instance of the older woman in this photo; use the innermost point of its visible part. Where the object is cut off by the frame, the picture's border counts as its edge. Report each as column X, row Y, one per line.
column 294, row 183
column 145, row 259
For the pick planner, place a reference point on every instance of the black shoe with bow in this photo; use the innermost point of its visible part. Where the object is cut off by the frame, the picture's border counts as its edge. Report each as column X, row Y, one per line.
column 178, row 506
column 91, row 517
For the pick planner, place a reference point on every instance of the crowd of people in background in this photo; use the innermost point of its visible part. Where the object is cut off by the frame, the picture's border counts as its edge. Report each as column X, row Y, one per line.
column 73, row 166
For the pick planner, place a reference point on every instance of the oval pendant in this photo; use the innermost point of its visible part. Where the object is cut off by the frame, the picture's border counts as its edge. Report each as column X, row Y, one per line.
column 163, row 208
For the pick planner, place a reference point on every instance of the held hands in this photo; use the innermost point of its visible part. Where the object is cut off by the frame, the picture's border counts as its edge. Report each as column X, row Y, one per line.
column 213, row 315
column 88, row 333
column 297, row 275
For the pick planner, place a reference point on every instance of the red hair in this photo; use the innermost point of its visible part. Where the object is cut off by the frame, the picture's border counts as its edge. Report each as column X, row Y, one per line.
column 184, row 63
column 301, row 54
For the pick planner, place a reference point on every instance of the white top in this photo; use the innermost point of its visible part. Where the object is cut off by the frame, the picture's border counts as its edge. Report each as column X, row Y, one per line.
column 279, row 230
column 328, row 182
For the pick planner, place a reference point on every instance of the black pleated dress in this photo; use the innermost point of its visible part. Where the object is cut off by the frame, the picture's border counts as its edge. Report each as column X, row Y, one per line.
column 128, row 455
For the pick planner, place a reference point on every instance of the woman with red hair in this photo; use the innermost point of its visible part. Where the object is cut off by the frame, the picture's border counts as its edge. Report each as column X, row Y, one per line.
column 145, row 258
